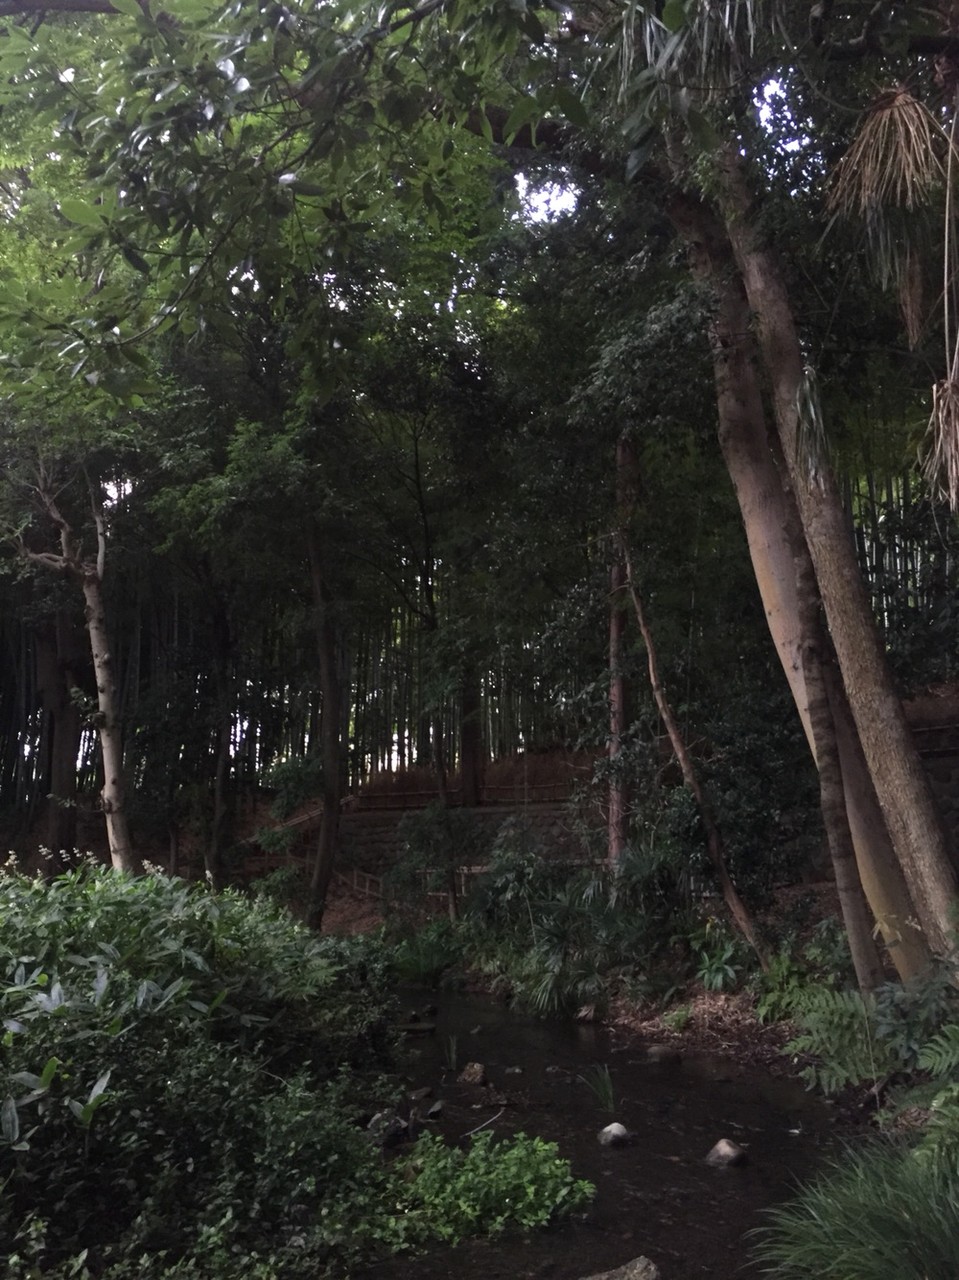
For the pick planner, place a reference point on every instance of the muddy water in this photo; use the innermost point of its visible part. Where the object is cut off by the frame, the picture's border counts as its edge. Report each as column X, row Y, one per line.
column 656, row 1196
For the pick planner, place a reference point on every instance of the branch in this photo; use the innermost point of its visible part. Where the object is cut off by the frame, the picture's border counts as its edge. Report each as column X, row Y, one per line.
column 59, row 564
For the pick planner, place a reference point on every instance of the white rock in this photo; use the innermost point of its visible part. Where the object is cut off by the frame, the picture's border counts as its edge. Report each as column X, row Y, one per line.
column 726, row 1153
column 614, row 1135
column 638, row 1269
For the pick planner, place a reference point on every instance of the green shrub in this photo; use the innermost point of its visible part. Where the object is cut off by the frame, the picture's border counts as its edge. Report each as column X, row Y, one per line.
column 426, row 955
column 880, row 1213
column 489, row 1186
column 180, row 1081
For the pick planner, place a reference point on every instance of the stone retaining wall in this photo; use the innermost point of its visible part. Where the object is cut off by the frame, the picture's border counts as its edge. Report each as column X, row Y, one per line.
column 372, row 840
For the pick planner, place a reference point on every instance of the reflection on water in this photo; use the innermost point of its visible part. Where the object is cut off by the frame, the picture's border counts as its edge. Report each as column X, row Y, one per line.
column 654, row 1197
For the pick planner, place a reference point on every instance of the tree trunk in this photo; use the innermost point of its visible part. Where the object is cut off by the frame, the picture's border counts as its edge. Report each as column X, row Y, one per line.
column 471, row 736
column 57, row 661
column 852, row 901
column 616, row 841
column 778, row 550
column 113, row 795
column 626, row 494
column 222, row 662
column 331, row 749
column 901, row 785
column 714, row 844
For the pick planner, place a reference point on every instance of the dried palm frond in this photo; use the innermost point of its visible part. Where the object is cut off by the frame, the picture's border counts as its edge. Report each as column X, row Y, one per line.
column 894, row 161
column 940, row 465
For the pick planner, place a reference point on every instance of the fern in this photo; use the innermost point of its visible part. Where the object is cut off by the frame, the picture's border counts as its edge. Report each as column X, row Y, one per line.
column 838, row 1029
column 940, row 1055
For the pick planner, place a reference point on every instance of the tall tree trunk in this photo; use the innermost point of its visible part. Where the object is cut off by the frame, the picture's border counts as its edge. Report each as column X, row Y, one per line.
column 113, row 794
column 778, row 550
column 714, row 843
column 901, row 785
column 616, row 839
column 331, row 746
column 222, row 662
column 57, row 662
column 852, row 900
column 471, row 735
column 626, row 492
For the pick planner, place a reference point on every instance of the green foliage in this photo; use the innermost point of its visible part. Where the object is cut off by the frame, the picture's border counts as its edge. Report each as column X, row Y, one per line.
column 489, row 1186
column 678, row 1019
column 293, row 782
column 880, row 1213
column 600, row 1084
column 857, row 1038
column 434, row 841
column 427, row 954
column 180, row 1077
column 821, row 961
column 719, row 955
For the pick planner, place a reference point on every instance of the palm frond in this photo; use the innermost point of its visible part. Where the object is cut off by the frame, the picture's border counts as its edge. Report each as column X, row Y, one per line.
column 895, row 159
column 940, row 464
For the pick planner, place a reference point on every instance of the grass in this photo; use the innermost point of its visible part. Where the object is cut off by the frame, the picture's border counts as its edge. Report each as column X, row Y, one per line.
column 879, row 1213
column 600, row 1084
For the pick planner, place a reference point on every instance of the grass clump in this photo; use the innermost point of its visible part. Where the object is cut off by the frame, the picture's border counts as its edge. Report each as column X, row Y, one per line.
column 883, row 1212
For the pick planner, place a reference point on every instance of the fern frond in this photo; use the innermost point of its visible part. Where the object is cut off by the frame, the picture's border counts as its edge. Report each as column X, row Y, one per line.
column 941, row 1054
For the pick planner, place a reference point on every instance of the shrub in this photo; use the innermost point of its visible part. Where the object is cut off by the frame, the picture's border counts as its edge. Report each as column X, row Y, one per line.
column 489, row 1186
column 180, row 1081
column 880, row 1213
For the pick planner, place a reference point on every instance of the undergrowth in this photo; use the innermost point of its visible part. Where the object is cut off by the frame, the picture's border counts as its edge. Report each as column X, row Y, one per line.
column 181, row 1081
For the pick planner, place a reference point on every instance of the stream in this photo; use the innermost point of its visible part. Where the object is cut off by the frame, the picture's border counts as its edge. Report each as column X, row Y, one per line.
column 656, row 1196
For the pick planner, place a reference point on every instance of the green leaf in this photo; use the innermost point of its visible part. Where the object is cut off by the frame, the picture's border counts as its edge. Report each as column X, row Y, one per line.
column 674, row 14
column 129, row 7
column 571, row 105
column 78, row 211
column 522, row 113
column 49, row 1071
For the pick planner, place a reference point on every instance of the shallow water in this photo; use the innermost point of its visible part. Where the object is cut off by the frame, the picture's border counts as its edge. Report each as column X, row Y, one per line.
column 656, row 1196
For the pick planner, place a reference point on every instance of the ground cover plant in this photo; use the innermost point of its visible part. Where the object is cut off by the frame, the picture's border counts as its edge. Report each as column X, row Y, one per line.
column 181, row 1081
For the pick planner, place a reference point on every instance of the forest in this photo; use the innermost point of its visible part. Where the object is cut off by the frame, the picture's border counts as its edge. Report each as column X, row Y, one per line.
column 467, row 398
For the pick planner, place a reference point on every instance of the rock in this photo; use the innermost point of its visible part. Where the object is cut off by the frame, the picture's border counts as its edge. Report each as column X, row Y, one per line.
column 726, row 1153
column 614, row 1135
column 472, row 1073
column 513, row 1071
column 662, row 1053
column 387, row 1128
column 638, row 1269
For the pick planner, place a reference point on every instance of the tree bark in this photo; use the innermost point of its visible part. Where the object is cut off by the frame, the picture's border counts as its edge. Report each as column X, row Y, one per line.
column 778, row 551
column 331, row 747
column 57, row 661
column 616, row 827
column 901, row 785
column 626, row 494
column 471, row 736
column 113, row 794
column 90, row 574
column 832, row 799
